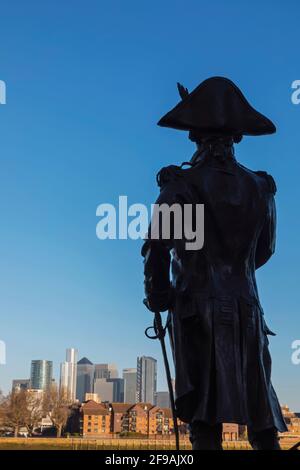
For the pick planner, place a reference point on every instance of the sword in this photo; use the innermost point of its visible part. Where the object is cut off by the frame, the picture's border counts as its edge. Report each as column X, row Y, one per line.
column 160, row 333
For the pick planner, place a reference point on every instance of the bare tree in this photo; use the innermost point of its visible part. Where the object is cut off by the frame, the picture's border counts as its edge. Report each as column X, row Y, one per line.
column 15, row 412
column 57, row 406
column 3, row 398
column 35, row 411
column 2, row 411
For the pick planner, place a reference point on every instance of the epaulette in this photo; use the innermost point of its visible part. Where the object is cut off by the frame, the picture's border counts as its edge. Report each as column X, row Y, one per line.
column 270, row 180
column 168, row 173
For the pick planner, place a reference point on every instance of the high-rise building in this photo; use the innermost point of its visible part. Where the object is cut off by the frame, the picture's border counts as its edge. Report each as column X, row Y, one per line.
column 146, row 379
column 104, row 389
column 41, row 374
column 85, row 378
column 110, row 390
column 106, row 371
column 20, row 384
column 162, row 399
column 68, row 373
column 129, row 376
column 118, row 390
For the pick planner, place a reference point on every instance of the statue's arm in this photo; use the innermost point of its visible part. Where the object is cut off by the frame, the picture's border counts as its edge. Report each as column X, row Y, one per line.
column 156, row 251
column 266, row 242
column 158, row 290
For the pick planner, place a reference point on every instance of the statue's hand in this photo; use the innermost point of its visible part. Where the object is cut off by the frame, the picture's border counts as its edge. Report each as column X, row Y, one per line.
column 160, row 302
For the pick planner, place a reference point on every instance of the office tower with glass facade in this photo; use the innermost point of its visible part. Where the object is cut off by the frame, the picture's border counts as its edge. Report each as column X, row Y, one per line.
column 106, row 371
column 104, row 389
column 85, row 378
column 68, row 374
column 118, row 390
column 41, row 374
column 110, row 390
column 146, row 379
column 129, row 377
column 162, row 399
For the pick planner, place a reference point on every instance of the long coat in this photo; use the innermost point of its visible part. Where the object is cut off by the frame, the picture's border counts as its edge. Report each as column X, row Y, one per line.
column 218, row 333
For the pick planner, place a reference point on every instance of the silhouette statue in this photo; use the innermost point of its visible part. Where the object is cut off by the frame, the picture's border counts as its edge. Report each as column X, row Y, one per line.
column 216, row 325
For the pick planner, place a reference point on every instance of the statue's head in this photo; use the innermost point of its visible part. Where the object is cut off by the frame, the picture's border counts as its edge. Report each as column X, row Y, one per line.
column 216, row 111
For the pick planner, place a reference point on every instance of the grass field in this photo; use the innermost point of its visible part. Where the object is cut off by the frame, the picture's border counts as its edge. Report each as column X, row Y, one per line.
column 112, row 444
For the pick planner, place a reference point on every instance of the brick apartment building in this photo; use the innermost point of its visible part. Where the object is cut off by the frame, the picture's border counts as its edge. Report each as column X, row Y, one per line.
column 119, row 417
column 231, row 431
column 94, row 419
column 160, row 421
column 138, row 418
column 99, row 419
column 102, row 420
column 292, row 420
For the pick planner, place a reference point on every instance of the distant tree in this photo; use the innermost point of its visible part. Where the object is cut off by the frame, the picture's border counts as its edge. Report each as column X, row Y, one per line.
column 73, row 423
column 57, row 406
column 15, row 412
column 2, row 411
column 35, row 411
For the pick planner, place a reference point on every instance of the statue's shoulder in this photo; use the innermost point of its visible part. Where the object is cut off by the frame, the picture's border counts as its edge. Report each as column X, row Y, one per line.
column 183, row 174
column 168, row 174
column 271, row 185
column 264, row 177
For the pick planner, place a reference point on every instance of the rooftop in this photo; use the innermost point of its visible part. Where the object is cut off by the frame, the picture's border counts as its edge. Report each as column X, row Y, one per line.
column 121, row 407
column 91, row 407
column 85, row 360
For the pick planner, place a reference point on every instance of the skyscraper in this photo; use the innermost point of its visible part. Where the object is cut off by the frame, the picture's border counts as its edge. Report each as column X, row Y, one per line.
column 104, row 389
column 111, row 390
column 41, row 374
column 118, row 389
column 146, row 379
column 68, row 373
column 162, row 399
column 129, row 376
column 85, row 378
column 106, row 371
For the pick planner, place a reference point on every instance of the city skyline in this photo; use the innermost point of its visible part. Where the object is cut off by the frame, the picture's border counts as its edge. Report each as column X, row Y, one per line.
column 115, row 387
column 159, row 395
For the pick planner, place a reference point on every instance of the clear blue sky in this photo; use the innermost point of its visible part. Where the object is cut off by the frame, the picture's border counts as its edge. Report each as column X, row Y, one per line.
column 86, row 84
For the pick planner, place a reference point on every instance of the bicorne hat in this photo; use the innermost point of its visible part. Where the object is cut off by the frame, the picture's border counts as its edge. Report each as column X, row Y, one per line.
column 216, row 106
